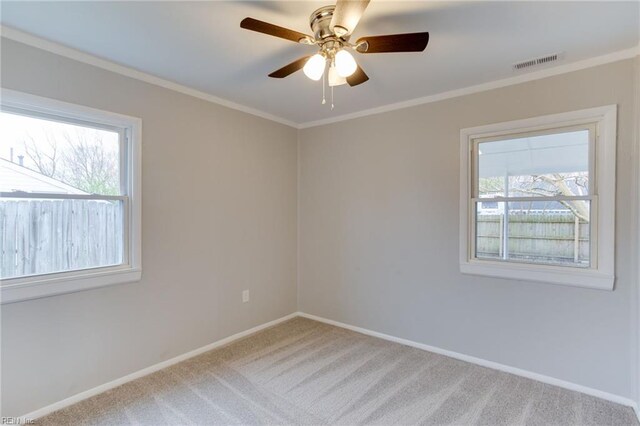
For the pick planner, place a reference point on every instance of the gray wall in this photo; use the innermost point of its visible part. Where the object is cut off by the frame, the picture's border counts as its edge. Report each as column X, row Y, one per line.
column 219, row 216
column 370, row 190
column 378, row 236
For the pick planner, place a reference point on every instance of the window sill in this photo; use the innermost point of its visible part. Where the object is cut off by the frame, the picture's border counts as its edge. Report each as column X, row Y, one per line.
column 587, row 278
column 27, row 288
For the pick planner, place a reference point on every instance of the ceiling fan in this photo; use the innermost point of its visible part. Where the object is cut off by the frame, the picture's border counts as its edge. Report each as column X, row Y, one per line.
column 332, row 27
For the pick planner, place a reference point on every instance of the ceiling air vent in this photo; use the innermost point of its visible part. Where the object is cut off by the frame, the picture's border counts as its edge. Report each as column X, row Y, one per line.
column 536, row 62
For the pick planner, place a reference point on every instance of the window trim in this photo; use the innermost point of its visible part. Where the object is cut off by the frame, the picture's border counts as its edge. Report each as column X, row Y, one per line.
column 601, row 274
column 43, row 285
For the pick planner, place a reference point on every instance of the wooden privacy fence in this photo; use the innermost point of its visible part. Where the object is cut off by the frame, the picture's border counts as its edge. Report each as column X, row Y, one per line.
column 41, row 236
column 557, row 238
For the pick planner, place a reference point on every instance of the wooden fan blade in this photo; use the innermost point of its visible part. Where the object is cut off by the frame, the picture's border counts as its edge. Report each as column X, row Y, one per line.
column 357, row 77
column 273, row 30
column 411, row 42
column 346, row 16
column 290, row 68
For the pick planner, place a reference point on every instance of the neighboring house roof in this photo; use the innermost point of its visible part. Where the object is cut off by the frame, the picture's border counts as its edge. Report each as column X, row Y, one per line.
column 14, row 177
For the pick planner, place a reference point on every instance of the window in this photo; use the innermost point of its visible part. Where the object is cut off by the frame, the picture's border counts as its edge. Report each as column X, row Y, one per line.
column 69, row 197
column 537, row 199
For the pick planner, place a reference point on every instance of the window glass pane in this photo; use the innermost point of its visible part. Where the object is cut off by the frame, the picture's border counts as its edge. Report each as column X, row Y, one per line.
column 547, row 165
column 38, row 155
column 39, row 236
column 546, row 232
column 489, row 230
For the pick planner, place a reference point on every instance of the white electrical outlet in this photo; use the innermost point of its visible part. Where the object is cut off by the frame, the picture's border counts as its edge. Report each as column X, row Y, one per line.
column 245, row 296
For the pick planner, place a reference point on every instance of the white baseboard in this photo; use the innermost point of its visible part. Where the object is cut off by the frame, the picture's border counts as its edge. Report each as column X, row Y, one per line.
column 479, row 361
column 485, row 363
column 146, row 371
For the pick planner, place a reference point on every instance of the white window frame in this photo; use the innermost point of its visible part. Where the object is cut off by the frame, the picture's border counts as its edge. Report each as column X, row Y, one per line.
column 602, row 163
column 130, row 128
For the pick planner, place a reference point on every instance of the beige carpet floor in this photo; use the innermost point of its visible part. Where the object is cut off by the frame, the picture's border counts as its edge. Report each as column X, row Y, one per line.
column 304, row 372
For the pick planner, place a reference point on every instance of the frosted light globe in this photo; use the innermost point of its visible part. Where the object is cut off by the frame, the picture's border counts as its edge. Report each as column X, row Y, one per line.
column 314, row 68
column 345, row 64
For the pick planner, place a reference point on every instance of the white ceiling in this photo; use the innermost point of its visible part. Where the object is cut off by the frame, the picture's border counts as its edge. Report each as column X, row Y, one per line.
column 201, row 44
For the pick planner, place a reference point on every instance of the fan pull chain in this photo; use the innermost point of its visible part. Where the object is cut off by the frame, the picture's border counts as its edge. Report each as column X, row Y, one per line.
column 324, row 79
column 331, row 98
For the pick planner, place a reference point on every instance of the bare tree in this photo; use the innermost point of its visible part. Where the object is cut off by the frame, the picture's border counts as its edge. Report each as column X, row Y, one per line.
column 550, row 185
column 79, row 158
column 88, row 165
column 558, row 184
column 44, row 156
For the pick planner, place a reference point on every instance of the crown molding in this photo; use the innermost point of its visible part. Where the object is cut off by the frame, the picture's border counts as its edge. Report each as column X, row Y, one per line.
column 496, row 84
column 77, row 55
column 68, row 52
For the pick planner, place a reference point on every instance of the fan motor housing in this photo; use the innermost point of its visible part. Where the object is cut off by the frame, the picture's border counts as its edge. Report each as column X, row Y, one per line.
column 320, row 21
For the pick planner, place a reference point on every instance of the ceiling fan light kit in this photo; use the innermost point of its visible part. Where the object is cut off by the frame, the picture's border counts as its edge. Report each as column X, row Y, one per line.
column 345, row 64
column 314, row 68
column 332, row 27
column 334, row 78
